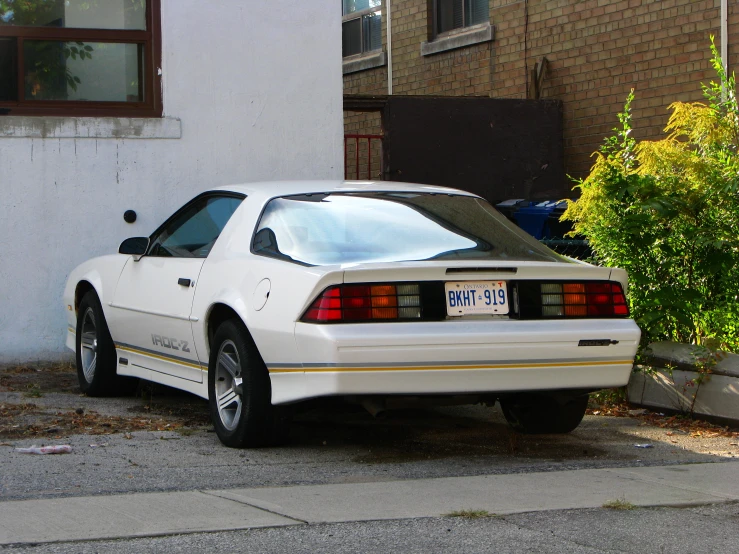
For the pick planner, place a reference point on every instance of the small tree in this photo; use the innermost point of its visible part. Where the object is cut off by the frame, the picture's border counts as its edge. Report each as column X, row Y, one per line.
column 667, row 211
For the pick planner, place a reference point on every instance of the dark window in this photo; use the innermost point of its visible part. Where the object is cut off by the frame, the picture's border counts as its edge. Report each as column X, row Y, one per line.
column 326, row 229
column 361, row 27
column 77, row 57
column 456, row 14
column 192, row 232
column 8, row 86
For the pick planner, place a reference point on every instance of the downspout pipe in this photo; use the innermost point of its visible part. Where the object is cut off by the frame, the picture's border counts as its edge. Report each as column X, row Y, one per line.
column 390, row 47
column 724, row 34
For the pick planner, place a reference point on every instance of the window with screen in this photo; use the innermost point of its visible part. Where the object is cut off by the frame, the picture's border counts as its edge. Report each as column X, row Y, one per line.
column 450, row 15
column 80, row 57
column 361, row 26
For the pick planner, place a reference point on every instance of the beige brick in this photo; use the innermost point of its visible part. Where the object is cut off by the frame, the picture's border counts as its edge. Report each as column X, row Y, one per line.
column 597, row 49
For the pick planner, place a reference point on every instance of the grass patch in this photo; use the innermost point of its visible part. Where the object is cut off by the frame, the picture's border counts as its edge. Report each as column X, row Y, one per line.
column 33, row 391
column 470, row 514
column 619, row 504
column 186, row 431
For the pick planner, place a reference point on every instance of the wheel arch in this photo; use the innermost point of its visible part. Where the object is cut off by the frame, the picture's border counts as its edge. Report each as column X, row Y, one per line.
column 218, row 313
column 99, row 274
column 83, row 287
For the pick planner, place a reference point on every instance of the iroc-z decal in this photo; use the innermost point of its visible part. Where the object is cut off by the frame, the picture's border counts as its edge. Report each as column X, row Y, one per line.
column 167, row 342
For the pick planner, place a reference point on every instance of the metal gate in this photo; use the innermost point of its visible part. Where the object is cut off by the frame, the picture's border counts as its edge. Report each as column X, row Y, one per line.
column 363, row 157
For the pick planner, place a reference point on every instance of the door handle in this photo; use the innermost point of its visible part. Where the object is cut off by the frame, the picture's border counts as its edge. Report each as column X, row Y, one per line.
column 183, row 282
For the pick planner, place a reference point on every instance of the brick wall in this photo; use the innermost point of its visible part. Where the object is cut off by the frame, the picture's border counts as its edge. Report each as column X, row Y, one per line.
column 597, row 51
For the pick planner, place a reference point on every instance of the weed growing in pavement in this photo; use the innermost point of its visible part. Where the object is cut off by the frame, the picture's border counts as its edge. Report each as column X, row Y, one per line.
column 470, row 514
column 185, row 431
column 33, row 391
column 619, row 504
column 608, row 397
column 705, row 360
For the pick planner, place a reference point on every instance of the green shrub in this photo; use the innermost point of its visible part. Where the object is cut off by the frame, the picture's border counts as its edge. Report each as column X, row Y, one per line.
column 667, row 211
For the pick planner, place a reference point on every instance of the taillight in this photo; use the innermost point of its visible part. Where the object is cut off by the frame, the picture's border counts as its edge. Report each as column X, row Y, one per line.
column 599, row 299
column 366, row 302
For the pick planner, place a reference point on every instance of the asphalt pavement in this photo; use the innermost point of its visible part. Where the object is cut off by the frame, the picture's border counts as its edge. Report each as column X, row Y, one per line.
column 147, row 474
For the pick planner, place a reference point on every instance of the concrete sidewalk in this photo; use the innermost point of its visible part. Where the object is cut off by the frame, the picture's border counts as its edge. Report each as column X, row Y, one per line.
column 154, row 514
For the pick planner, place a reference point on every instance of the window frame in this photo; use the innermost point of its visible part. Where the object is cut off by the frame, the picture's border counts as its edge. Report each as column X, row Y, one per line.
column 151, row 39
column 435, row 20
column 171, row 219
column 360, row 15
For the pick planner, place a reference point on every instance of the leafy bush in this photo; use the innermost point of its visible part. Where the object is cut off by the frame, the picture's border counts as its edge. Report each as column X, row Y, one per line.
column 667, row 211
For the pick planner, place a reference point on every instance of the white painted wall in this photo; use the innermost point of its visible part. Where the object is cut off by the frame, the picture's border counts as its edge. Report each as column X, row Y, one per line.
column 257, row 86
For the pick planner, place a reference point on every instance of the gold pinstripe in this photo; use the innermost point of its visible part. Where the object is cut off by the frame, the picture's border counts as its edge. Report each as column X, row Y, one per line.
column 161, row 357
column 329, row 369
column 443, row 368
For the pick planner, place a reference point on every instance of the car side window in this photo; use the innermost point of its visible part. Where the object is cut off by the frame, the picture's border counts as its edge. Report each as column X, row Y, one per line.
column 193, row 232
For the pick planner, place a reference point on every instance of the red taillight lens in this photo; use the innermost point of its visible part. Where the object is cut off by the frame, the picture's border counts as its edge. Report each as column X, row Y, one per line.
column 583, row 300
column 357, row 303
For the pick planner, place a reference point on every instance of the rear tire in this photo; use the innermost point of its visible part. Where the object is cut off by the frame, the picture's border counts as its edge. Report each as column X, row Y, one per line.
column 544, row 413
column 96, row 354
column 240, row 392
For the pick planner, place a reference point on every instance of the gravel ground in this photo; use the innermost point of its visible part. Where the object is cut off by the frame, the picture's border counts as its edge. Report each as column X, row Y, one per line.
column 709, row 529
column 161, row 440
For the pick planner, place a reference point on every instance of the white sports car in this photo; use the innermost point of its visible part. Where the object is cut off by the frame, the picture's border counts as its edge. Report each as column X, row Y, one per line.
column 262, row 295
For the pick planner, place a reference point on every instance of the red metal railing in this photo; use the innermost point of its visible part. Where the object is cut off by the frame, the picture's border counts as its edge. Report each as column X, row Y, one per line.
column 357, row 161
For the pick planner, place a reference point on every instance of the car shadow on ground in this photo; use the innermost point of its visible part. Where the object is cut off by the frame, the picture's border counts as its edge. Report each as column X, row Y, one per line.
column 45, row 402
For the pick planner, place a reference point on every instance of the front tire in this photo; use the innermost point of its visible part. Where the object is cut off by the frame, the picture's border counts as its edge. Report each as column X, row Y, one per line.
column 96, row 354
column 239, row 390
column 544, row 413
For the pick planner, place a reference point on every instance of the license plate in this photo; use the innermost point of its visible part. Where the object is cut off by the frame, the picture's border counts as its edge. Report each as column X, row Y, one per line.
column 476, row 297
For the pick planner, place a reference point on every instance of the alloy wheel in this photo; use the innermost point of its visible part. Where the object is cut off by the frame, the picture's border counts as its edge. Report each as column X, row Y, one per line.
column 228, row 385
column 89, row 345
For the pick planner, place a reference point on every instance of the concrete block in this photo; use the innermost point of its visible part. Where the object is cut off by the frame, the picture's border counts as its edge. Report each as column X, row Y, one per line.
column 716, row 396
column 684, row 356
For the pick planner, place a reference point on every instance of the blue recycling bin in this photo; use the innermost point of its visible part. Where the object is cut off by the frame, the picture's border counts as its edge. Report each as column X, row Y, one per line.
column 510, row 207
column 533, row 218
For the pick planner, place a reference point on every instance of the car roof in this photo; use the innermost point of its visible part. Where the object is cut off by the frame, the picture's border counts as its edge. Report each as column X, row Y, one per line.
column 273, row 189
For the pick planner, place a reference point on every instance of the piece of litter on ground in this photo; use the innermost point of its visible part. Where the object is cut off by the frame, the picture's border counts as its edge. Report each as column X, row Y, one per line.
column 56, row 449
column 99, row 445
column 637, row 412
column 645, row 445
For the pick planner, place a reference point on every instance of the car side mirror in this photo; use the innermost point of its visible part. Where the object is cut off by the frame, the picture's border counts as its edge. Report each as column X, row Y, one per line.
column 136, row 246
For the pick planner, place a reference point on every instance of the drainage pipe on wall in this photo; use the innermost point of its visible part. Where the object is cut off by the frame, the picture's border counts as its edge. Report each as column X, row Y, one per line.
column 724, row 34
column 390, row 48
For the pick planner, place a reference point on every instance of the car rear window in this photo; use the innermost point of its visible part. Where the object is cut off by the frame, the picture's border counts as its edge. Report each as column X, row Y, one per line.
column 339, row 228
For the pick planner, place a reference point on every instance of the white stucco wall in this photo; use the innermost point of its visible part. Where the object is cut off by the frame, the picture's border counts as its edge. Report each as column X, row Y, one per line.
column 257, row 89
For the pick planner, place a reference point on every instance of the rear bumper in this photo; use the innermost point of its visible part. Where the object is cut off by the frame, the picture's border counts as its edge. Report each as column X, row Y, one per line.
column 455, row 357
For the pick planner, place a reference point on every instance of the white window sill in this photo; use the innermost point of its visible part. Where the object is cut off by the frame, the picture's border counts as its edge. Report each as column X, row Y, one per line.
column 42, row 127
column 459, row 39
column 364, row 62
